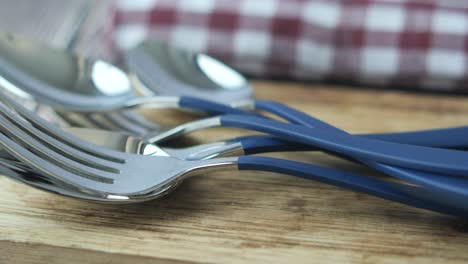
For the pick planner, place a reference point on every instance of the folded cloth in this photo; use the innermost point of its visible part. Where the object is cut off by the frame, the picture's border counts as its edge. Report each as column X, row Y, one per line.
column 405, row 43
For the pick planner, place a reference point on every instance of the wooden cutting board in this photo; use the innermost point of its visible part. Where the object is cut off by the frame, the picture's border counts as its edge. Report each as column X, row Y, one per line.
column 233, row 217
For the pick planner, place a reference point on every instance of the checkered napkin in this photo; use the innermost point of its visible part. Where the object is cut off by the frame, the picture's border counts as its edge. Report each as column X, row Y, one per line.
column 405, row 43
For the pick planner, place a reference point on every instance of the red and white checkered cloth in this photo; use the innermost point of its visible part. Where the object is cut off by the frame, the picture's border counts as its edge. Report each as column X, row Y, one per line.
column 409, row 43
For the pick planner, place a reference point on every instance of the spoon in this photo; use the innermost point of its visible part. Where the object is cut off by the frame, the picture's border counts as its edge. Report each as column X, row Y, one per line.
column 160, row 69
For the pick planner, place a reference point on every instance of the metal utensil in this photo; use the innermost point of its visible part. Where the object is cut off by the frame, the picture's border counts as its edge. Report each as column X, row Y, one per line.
column 160, row 69
column 25, row 175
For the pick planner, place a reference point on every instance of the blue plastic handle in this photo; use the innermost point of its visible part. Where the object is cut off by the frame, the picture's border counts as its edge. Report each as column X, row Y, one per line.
column 262, row 144
column 451, row 191
column 445, row 188
column 372, row 186
column 453, row 137
column 455, row 187
column 444, row 161
column 448, row 190
column 441, row 138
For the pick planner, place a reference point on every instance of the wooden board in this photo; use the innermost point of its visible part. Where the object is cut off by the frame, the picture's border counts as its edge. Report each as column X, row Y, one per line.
column 255, row 217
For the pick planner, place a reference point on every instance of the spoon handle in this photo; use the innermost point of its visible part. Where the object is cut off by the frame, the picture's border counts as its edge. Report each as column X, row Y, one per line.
column 372, row 186
column 444, row 190
column 442, row 138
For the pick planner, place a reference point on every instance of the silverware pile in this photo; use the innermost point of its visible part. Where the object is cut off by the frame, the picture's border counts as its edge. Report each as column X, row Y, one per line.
column 96, row 147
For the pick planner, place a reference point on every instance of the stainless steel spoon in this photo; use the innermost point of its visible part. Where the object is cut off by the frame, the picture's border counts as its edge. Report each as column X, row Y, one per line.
column 160, row 69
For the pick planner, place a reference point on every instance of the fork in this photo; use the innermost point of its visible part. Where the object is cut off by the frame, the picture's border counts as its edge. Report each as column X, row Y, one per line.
column 23, row 174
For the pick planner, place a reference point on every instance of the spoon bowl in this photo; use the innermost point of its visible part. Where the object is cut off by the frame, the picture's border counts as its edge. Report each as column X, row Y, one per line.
column 160, row 69
column 60, row 78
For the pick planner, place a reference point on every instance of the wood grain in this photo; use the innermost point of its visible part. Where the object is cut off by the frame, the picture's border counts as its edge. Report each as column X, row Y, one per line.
column 233, row 217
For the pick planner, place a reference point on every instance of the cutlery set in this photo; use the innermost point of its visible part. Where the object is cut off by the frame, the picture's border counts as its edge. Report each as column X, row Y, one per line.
column 105, row 151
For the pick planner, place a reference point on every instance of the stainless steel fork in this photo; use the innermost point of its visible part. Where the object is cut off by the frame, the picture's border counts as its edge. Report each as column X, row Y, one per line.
column 101, row 172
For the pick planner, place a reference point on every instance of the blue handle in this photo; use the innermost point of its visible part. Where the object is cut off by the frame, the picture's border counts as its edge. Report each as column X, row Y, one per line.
column 454, row 189
column 443, row 138
column 292, row 115
column 429, row 138
column 454, row 137
column 343, row 179
column 263, row 144
column 452, row 162
column 449, row 190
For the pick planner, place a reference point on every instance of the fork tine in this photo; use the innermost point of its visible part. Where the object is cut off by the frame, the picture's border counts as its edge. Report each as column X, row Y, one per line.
column 34, row 177
column 39, row 149
column 101, row 120
column 49, row 169
column 109, row 121
column 124, row 124
column 114, row 121
column 74, row 119
column 58, row 146
column 62, row 136
column 139, row 119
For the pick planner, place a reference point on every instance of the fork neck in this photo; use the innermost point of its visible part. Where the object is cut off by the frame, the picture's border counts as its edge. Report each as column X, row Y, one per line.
column 152, row 102
column 184, row 129
column 211, row 165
